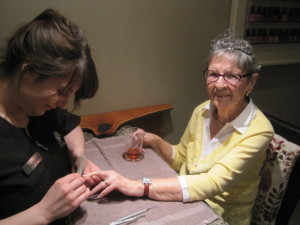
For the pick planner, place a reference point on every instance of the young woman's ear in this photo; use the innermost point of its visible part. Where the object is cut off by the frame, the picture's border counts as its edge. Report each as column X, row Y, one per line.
column 24, row 67
column 27, row 72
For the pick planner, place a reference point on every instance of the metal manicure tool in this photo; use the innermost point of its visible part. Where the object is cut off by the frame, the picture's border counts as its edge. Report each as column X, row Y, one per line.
column 131, row 218
column 93, row 198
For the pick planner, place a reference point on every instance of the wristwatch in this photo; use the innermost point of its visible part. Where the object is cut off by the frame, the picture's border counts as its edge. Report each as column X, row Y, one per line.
column 147, row 182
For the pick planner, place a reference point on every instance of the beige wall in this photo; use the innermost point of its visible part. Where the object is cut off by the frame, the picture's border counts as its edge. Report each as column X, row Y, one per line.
column 146, row 51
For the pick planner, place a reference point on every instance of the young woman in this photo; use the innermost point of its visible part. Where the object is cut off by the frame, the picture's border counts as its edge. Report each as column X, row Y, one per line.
column 46, row 62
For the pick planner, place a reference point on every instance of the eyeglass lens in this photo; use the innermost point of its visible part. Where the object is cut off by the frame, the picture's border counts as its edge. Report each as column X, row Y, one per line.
column 229, row 78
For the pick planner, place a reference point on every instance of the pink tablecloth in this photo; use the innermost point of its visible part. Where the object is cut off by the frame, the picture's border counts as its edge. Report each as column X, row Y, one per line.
column 107, row 154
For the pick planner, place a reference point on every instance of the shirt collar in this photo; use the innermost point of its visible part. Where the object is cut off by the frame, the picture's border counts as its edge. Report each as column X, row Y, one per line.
column 241, row 122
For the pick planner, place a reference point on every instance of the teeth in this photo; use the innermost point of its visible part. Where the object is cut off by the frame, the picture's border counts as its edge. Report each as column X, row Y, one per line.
column 221, row 94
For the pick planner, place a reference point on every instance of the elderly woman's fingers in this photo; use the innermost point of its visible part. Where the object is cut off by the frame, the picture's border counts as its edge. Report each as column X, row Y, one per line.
column 106, row 188
column 97, row 188
column 109, row 188
column 94, row 173
column 111, row 180
column 93, row 178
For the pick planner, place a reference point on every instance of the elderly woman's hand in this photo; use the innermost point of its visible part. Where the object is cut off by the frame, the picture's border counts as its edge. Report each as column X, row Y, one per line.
column 111, row 180
column 151, row 140
column 159, row 145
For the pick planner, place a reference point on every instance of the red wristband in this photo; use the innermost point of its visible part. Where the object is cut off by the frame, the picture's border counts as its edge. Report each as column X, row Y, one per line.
column 146, row 181
column 146, row 190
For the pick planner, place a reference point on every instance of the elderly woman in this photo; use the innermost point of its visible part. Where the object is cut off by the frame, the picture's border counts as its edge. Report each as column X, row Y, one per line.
column 46, row 62
column 222, row 150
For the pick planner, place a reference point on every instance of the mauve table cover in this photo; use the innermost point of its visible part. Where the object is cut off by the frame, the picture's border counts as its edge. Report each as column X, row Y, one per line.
column 107, row 154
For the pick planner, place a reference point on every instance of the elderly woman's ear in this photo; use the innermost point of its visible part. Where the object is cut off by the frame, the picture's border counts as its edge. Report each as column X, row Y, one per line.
column 252, row 81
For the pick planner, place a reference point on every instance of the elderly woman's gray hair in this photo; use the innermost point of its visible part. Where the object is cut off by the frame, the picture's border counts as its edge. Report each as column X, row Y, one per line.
column 232, row 47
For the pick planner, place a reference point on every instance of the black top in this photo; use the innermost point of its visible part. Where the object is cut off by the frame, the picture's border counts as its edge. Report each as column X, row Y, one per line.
column 18, row 190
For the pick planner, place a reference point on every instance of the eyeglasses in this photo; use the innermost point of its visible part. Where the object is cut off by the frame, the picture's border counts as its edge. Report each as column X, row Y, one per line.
column 230, row 78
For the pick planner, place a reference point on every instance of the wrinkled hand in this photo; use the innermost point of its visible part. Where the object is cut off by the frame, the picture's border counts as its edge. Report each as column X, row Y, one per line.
column 64, row 196
column 151, row 140
column 111, row 180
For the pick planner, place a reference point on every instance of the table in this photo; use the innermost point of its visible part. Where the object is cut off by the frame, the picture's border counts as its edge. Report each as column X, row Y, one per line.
column 107, row 154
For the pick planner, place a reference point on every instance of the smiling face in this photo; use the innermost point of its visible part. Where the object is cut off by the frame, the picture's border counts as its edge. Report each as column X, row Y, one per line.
column 229, row 99
column 36, row 97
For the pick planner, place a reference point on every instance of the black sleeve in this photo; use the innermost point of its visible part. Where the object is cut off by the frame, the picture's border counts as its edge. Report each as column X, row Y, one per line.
column 67, row 121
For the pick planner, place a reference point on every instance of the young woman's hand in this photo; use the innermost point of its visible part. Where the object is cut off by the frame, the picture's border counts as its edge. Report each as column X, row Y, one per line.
column 64, row 196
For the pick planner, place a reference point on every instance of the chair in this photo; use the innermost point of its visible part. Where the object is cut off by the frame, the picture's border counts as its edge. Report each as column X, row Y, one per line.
column 278, row 192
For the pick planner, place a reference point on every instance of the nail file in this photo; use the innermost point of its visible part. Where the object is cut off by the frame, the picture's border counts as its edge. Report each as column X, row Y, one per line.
column 80, row 164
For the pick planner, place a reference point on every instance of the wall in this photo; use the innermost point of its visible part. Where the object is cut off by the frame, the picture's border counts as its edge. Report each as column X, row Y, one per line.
column 278, row 91
column 153, row 51
column 146, row 51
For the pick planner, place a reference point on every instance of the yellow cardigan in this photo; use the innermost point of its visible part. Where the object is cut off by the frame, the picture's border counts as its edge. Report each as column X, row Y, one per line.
column 227, row 179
